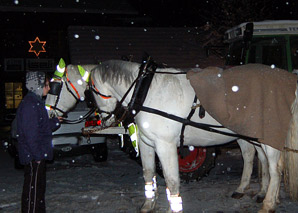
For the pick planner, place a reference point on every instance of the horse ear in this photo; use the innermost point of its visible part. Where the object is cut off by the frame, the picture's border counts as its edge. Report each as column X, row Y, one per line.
column 85, row 74
column 60, row 69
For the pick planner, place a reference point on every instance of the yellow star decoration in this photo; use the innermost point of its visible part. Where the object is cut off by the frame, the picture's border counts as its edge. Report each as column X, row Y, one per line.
column 37, row 46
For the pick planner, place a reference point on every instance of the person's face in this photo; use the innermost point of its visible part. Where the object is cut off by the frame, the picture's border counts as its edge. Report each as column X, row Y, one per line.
column 46, row 88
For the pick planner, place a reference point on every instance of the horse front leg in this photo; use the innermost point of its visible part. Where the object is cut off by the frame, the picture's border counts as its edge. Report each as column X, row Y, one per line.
column 248, row 153
column 271, row 198
column 167, row 153
column 148, row 163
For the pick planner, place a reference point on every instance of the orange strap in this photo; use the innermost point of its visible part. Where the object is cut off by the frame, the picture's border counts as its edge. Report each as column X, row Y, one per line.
column 93, row 85
column 79, row 97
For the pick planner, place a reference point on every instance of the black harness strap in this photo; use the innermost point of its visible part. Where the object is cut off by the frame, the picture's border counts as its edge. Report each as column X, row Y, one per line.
column 202, row 126
column 183, row 128
column 142, row 84
column 145, row 76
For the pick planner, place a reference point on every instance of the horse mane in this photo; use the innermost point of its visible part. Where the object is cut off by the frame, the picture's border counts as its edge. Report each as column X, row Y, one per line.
column 117, row 71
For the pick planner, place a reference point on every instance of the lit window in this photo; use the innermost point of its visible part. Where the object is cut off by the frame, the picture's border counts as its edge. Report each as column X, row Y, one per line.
column 13, row 94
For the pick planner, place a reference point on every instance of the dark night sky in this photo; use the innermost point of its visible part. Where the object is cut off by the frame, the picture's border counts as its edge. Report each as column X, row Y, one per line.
column 141, row 13
column 31, row 17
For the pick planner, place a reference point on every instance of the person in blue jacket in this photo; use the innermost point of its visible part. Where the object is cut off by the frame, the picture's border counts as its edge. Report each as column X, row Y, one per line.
column 34, row 134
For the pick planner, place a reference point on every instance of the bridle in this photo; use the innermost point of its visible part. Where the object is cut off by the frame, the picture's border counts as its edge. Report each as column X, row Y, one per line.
column 56, row 88
column 146, row 71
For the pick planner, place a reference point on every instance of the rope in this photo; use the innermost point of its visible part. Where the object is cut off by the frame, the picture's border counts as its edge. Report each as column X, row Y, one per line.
column 290, row 150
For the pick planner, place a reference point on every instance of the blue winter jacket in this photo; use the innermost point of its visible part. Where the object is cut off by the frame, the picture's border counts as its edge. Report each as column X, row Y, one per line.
column 34, row 130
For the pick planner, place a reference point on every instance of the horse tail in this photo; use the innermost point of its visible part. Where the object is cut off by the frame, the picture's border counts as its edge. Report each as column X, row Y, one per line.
column 291, row 153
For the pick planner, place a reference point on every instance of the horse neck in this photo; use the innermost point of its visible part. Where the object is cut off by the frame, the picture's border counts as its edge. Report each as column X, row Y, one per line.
column 119, row 91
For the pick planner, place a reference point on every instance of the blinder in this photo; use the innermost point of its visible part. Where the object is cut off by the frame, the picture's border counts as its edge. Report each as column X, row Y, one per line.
column 55, row 87
column 89, row 98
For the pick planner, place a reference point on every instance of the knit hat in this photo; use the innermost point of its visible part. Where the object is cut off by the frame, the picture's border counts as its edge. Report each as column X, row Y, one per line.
column 35, row 82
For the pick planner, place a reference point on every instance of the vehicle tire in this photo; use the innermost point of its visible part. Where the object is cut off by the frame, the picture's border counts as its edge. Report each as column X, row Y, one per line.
column 100, row 152
column 194, row 165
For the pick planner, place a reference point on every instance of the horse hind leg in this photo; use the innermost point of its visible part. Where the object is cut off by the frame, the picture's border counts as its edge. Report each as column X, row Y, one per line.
column 148, row 163
column 265, row 177
column 270, row 201
column 248, row 153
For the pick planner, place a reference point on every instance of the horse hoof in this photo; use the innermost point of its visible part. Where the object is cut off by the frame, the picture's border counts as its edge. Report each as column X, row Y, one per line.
column 148, row 206
column 260, row 199
column 266, row 211
column 237, row 195
column 169, row 210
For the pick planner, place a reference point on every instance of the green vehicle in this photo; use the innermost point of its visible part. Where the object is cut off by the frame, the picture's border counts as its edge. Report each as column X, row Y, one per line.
column 274, row 43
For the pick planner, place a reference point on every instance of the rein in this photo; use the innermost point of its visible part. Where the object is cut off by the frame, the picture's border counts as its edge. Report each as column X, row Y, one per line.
column 81, row 119
column 77, row 97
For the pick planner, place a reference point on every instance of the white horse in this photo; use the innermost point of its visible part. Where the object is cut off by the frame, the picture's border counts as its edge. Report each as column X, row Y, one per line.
column 172, row 94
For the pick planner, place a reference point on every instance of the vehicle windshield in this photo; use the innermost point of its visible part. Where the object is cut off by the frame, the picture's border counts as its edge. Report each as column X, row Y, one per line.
column 235, row 56
column 294, row 52
column 269, row 51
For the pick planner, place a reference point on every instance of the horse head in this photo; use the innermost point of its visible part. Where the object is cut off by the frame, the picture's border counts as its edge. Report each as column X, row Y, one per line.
column 110, row 81
column 104, row 94
column 67, row 88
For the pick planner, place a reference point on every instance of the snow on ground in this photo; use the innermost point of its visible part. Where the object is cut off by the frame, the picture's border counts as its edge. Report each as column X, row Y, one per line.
column 79, row 184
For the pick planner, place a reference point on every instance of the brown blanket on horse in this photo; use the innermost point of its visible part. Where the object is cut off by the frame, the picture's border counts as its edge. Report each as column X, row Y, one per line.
column 252, row 100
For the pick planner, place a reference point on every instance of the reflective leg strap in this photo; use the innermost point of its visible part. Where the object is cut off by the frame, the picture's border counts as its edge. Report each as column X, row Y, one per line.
column 150, row 188
column 149, row 192
column 175, row 201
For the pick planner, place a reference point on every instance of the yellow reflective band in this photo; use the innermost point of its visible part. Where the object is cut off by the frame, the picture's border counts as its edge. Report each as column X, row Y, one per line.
column 132, row 131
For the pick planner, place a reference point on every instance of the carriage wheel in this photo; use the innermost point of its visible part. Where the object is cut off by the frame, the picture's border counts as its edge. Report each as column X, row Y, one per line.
column 193, row 160
column 194, row 165
column 197, row 163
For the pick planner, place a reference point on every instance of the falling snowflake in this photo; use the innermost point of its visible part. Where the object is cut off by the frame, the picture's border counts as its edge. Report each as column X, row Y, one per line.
column 97, row 37
column 235, row 88
column 191, row 148
column 272, row 66
column 145, row 125
column 80, row 82
column 76, row 36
